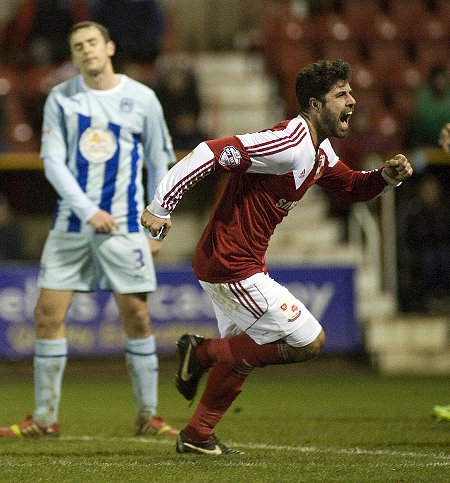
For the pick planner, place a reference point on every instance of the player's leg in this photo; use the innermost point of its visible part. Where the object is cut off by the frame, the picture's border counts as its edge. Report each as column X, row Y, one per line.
column 274, row 313
column 49, row 363
column 50, row 352
column 142, row 364
column 66, row 268
column 261, row 323
column 126, row 267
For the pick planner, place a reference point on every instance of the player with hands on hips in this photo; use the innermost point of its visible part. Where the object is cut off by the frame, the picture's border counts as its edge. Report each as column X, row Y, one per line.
column 259, row 320
column 100, row 128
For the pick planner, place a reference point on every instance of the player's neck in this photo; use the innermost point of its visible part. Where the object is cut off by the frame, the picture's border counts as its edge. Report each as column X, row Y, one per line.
column 312, row 129
column 102, row 81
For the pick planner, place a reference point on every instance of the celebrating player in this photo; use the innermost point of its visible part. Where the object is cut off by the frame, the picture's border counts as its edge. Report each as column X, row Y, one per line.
column 99, row 128
column 259, row 320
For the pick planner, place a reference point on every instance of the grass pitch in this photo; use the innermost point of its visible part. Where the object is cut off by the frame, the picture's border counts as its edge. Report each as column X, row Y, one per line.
column 326, row 421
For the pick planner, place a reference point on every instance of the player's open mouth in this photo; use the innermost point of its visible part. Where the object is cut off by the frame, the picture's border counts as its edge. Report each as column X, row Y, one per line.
column 345, row 117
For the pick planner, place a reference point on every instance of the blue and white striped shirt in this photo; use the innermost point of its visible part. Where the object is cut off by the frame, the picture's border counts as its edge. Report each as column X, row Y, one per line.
column 94, row 146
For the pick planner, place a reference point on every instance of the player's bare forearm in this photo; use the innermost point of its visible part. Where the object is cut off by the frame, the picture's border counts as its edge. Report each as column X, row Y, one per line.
column 398, row 168
column 158, row 227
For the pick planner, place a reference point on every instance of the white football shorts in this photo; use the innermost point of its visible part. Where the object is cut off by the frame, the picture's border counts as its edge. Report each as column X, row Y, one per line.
column 86, row 261
column 263, row 309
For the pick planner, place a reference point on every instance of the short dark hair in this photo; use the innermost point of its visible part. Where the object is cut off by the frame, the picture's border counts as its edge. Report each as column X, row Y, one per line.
column 90, row 23
column 316, row 79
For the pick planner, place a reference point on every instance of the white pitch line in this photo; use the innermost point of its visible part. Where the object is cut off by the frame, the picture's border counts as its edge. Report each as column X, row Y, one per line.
column 274, row 447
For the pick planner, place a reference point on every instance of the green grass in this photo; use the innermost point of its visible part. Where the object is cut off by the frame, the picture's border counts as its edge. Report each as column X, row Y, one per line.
column 323, row 421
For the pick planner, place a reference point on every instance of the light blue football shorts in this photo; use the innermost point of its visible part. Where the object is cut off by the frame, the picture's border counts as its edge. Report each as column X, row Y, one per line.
column 85, row 261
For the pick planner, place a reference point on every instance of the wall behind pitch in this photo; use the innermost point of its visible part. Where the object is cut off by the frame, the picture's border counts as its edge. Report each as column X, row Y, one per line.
column 178, row 306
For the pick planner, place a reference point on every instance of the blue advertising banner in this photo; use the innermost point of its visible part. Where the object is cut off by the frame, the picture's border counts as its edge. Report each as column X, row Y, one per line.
column 179, row 305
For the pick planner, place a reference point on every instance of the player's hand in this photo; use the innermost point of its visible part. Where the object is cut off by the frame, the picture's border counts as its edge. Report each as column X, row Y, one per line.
column 398, row 168
column 155, row 245
column 444, row 138
column 103, row 222
column 158, row 227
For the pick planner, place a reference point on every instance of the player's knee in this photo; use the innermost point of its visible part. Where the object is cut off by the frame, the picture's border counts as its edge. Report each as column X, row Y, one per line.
column 300, row 354
column 136, row 323
column 48, row 319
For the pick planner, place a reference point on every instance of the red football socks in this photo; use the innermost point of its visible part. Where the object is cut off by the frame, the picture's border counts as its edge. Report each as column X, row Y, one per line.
column 241, row 349
column 222, row 388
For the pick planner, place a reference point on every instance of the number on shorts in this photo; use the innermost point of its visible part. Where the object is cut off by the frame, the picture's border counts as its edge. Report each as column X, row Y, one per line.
column 139, row 260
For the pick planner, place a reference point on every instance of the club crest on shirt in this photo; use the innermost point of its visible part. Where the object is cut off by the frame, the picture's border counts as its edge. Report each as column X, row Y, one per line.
column 97, row 145
column 230, row 156
column 126, row 104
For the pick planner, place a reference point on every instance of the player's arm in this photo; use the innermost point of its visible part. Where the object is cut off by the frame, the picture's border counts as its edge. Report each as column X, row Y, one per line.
column 353, row 186
column 158, row 156
column 184, row 174
column 225, row 154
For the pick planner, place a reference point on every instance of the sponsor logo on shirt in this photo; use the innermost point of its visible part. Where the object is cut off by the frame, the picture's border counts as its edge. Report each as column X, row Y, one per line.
column 230, row 156
column 97, row 145
column 285, row 204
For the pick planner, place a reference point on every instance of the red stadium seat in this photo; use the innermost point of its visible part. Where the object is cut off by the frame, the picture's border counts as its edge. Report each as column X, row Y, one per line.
column 384, row 55
column 351, row 51
column 331, row 26
column 429, row 53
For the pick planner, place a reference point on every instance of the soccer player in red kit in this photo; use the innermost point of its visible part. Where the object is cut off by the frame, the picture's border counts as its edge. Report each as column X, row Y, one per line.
column 259, row 320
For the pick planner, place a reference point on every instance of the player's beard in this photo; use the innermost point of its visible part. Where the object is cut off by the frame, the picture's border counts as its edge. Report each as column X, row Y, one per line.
column 331, row 124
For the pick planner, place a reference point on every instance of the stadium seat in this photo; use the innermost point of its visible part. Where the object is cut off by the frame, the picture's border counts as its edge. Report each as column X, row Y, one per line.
column 388, row 125
column 383, row 55
column 408, row 13
column 432, row 52
column 286, row 35
column 380, row 27
column 351, row 51
column 331, row 26
column 430, row 27
column 360, row 20
column 403, row 102
column 443, row 10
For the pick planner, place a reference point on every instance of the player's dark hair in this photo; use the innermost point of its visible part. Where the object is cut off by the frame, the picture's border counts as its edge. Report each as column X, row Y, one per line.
column 316, row 79
column 89, row 23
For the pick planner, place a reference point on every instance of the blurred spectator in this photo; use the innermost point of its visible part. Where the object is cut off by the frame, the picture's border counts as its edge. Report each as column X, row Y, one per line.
column 37, row 32
column 432, row 108
column 137, row 27
column 11, row 233
column 178, row 93
column 424, row 243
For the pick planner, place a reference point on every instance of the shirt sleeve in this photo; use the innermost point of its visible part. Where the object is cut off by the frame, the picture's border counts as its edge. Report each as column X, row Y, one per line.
column 157, row 143
column 54, row 155
column 352, row 186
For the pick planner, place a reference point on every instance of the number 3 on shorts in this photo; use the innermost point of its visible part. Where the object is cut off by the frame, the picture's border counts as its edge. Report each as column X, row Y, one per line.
column 139, row 258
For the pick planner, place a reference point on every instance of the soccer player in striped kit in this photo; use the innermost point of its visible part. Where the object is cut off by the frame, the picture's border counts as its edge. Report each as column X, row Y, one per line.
column 99, row 130
column 259, row 320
